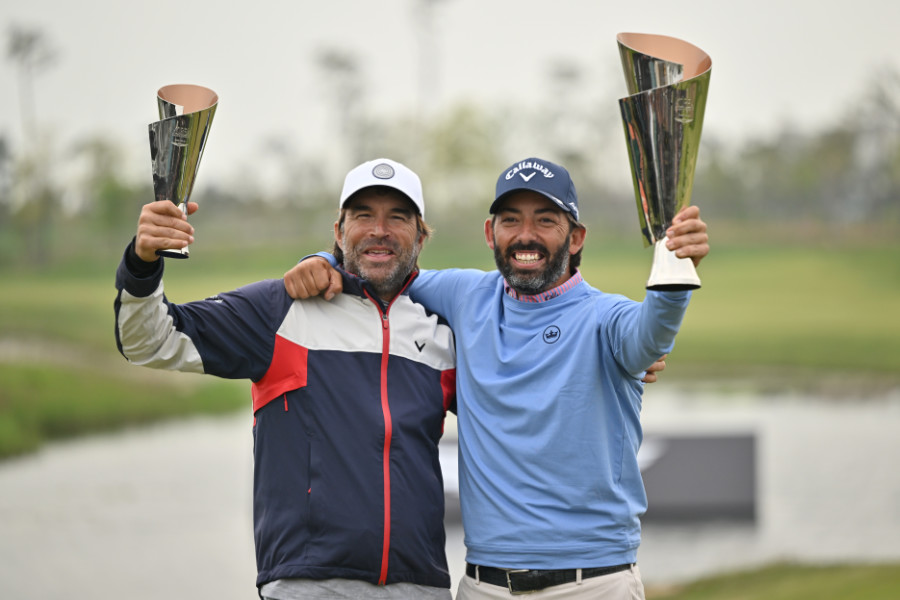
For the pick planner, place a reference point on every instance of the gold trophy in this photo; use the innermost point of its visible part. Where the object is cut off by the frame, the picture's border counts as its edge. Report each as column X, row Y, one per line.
column 177, row 142
column 668, row 81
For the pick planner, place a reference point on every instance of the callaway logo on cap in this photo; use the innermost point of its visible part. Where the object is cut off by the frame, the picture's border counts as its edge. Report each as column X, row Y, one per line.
column 541, row 176
column 385, row 172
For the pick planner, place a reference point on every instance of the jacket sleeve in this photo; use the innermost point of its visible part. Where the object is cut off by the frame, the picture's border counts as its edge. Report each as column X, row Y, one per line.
column 230, row 335
column 640, row 333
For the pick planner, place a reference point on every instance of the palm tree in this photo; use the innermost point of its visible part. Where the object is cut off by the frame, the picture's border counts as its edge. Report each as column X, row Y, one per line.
column 31, row 51
column 34, row 200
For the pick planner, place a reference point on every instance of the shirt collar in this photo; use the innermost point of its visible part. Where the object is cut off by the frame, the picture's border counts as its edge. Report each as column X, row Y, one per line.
column 549, row 294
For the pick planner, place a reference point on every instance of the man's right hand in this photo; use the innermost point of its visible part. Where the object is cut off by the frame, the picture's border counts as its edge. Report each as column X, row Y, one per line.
column 311, row 277
column 162, row 226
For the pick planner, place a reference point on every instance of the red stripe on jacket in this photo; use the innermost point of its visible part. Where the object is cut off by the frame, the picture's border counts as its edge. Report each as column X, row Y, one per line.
column 386, row 456
column 286, row 372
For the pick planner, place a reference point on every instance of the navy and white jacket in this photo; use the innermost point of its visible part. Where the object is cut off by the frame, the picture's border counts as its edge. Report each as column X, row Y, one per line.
column 349, row 400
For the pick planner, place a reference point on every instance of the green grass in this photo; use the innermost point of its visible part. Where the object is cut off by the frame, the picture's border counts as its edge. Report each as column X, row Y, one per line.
column 800, row 308
column 793, row 582
column 831, row 309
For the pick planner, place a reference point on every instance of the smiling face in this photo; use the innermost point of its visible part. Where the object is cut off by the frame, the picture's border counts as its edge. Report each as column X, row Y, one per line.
column 380, row 239
column 532, row 240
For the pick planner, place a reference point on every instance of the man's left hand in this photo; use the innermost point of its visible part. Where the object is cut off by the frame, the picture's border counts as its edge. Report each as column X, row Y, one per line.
column 657, row 367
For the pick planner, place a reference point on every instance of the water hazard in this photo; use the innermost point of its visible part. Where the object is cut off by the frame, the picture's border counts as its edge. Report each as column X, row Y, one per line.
column 166, row 510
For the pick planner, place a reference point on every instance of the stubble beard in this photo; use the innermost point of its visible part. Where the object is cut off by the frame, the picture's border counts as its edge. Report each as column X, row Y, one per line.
column 387, row 279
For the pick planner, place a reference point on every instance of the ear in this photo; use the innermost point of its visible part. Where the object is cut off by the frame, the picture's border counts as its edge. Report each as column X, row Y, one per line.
column 337, row 235
column 489, row 233
column 576, row 239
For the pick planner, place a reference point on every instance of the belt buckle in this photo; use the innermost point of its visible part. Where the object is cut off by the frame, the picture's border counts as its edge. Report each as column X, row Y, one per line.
column 509, row 582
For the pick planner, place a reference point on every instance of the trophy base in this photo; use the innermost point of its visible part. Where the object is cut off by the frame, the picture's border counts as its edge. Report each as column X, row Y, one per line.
column 670, row 273
column 183, row 253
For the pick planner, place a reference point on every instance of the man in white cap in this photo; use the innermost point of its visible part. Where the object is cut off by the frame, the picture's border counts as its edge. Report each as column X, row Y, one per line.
column 548, row 394
column 349, row 396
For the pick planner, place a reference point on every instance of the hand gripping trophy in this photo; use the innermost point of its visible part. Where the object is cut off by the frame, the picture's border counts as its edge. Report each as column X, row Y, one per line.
column 177, row 142
column 668, row 80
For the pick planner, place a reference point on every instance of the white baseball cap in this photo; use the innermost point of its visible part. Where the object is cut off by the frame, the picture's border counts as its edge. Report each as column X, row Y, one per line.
column 386, row 172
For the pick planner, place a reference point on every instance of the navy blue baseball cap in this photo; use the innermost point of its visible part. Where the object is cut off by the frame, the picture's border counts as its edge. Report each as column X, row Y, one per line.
column 541, row 176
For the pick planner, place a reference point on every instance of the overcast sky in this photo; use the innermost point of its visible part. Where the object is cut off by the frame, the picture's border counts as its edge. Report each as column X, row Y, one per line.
column 775, row 62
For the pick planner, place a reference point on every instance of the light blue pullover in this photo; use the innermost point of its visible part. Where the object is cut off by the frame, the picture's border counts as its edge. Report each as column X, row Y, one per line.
column 548, row 405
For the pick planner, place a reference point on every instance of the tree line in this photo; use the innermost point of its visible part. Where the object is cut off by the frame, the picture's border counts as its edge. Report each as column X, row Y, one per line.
column 847, row 173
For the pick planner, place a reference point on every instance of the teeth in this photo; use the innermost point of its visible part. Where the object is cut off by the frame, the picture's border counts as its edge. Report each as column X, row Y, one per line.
column 527, row 257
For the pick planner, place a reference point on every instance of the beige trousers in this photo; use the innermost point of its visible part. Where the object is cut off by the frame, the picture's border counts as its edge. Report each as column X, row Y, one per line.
column 624, row 585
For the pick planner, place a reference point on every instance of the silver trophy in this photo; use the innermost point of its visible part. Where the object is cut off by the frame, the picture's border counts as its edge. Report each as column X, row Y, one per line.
column 177, row 142
column 668, row 81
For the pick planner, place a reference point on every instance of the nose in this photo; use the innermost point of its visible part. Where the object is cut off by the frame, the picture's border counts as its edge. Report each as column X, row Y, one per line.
column 527, row 232
column 379, row 227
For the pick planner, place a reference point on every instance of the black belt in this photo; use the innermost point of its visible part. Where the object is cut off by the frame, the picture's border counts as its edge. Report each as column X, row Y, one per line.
column 520, row 581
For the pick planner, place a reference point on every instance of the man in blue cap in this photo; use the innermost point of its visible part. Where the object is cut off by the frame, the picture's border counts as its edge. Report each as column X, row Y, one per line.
column 549, row 393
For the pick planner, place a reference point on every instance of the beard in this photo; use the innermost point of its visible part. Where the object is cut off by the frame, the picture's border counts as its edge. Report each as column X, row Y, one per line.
column 386, row 279
column 532, row 282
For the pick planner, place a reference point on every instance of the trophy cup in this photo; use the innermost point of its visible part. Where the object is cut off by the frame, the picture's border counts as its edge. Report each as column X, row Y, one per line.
column 668, row 81
column 177, row 142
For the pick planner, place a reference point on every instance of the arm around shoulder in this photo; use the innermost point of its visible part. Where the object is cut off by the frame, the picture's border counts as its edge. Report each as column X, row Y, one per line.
column 314, row 275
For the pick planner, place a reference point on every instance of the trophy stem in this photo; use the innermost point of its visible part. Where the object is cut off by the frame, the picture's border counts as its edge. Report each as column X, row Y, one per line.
column 670, row 273
column 173, row 252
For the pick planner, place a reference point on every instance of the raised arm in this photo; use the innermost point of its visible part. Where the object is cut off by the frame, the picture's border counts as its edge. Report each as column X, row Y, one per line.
column 230, row 335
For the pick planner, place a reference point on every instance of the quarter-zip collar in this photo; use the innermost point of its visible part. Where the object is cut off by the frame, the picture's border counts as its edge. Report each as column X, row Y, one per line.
column 358, row 286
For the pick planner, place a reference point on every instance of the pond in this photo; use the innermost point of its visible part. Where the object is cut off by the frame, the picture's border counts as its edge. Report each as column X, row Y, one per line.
column 166, row 510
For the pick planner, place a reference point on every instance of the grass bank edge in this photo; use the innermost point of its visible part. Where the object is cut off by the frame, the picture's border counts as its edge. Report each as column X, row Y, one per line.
column 790, row 581
column 41, row 403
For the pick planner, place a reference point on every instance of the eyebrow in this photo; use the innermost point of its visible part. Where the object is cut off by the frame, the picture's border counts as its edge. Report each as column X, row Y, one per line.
column 539, row 211
column 395, row 210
